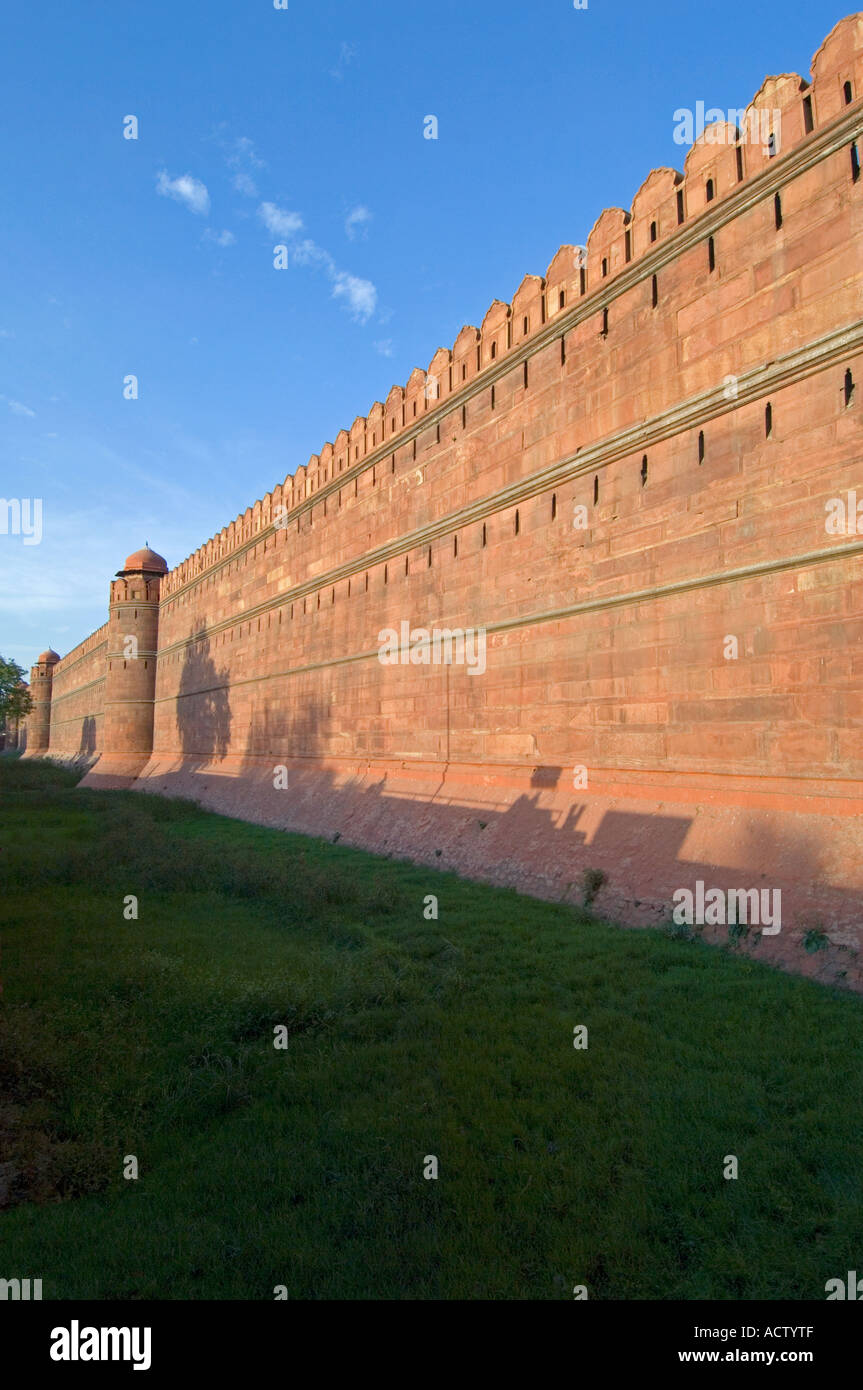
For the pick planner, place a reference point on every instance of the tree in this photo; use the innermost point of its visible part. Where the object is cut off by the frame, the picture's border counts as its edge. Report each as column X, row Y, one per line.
column 15, row 699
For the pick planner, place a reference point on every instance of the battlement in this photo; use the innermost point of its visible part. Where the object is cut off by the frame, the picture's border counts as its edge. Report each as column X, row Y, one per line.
column 725, row 160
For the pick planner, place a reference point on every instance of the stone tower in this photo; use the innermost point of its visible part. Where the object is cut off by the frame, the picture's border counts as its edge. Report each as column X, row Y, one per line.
column 130, row 675
column 39, row 718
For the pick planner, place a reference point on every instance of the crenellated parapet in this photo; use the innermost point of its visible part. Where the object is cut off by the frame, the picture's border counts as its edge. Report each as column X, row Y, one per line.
column 787, row 111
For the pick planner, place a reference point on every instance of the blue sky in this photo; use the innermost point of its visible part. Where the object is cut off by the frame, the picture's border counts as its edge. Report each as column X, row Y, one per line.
column 259, row 126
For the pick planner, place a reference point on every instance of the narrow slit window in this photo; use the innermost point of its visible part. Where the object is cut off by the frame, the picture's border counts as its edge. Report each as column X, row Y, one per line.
column 654, row 292
column 771, row 146
column 848, row 93
column 711, row 190
column 563, row 352
column 701, row 446
column 492, row 398
column 464, row 417
column 437, row 435
column 849, row 388
column 582, row 281
column 739, row 153
column 553, row 505
column 711, row 253
column 484, row 535
column 525, row 376
column 604, row 330
column 604, row 266
column 680, row 211
column 644, row 470
column 595, row 489
column 429, row 563
column 463, row 371
column 455, row 547
column 653, row 231
column 517, row 523
column 525, row 323
column 406, row 564
column 777, row 211
column 628, row 244
column 561, row 299
column 493, row 351
column 768, row 420
column 808, row 123
column 855, row 163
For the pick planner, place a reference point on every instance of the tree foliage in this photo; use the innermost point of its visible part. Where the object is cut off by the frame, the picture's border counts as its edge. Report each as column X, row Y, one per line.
column 15, row 699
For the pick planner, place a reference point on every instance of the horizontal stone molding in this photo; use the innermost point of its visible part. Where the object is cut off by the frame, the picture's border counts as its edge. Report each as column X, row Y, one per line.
column 820, row 145
column 752, row 385
column 658, row 591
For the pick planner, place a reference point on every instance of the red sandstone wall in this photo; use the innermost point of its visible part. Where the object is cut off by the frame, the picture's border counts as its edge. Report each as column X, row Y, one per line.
column 77, row 699
column 452, row 504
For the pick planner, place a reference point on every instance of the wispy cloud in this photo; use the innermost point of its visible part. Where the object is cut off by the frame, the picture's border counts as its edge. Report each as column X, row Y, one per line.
column 245, row 184
column 243, row 151
column 241, row 156
column 279, row 221
column 225, row 238
column 18, row 409
column 357, row 222
column 308, row 253
column 360, row 295
column 347, row 53
column 384, row 347
column 186, row 190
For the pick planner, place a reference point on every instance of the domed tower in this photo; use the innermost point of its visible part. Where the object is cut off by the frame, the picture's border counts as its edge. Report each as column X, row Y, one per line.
column 130, row 676
column 39, row 718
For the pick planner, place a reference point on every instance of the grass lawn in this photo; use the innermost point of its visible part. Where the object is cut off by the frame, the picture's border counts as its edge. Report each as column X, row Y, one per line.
column 407, row 1037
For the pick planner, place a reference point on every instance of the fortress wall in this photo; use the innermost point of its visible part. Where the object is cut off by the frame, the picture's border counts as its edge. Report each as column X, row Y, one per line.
column 611, row 727
column 77, row 699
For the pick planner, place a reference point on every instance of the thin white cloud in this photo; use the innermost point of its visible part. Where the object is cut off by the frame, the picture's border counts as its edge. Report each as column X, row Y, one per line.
column 357, row 222
column 186, row 190
column 360, row 295
column 278, row 221
column 384, row 347
column 347, row 53
column 18, row 409
column 243, row 152
column 225, row 238
column 308, row 253
column 245, row 184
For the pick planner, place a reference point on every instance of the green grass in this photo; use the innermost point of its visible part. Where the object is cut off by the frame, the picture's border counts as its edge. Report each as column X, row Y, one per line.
column 408, row 1037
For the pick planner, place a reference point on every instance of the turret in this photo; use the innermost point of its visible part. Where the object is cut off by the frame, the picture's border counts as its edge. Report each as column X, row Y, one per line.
column 130, row 677
column 39, row 718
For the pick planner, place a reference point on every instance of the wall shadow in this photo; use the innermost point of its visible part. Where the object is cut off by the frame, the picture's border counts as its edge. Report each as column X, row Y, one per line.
column 203, row 706
column 87, row 743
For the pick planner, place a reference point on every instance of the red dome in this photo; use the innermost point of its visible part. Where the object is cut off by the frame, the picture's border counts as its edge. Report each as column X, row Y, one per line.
column 146, row 559
column 50, row 656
